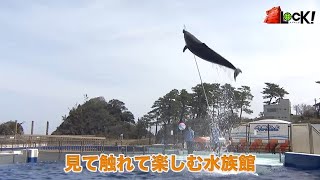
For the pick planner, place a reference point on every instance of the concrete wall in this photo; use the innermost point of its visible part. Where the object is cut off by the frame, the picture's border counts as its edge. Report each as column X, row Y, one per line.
column 305, row 139
column 46, row 156
column 300, row 138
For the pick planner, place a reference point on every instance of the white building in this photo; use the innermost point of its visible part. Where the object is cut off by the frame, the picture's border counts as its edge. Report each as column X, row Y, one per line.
column 282, row 110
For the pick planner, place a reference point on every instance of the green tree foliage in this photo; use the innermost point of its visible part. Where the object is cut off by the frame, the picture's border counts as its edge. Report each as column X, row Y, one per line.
column 98, row 117
column 184, row 99
column 244, row 98
column 228, row 108
column 224, row 104
column 273, row 91
column 9, row 128
column 168, row 109
column 199, row 102
column 142, row 126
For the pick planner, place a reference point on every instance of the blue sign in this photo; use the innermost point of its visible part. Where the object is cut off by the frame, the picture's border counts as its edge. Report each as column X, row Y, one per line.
column 265, row 128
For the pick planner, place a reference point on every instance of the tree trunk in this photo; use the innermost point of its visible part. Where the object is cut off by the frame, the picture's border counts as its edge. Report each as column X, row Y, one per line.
column 174, row 133
column 149, row 134
column 156, row 128
column 270, row 100
column 241, row 114
column 182, row 112
column 165, row 134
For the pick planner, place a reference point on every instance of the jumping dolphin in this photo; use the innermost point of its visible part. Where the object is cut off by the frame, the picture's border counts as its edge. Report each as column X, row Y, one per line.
column 204, row 52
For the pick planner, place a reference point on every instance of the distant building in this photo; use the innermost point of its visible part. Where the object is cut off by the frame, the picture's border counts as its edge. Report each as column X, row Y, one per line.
column 281, row 110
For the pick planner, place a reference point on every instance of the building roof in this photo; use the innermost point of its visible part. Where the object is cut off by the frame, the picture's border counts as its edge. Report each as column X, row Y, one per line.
column 274, row 121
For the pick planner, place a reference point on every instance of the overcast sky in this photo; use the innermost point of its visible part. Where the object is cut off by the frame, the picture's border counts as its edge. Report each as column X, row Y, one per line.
column 54, row 52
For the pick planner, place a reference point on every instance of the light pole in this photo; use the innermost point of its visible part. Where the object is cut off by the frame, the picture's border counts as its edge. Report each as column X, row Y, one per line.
column 315, row 105
column 318, row 82
column 121, row 138
column 15, row 129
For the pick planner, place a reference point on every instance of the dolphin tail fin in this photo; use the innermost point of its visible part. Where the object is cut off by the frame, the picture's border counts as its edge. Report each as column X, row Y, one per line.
column 237, row 71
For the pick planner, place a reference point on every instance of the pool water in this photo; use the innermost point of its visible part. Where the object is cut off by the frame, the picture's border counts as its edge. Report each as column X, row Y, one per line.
column 54, row 170
column 268, row 166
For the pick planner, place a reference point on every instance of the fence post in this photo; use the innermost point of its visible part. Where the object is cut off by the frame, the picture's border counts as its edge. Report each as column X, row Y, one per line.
column 59, row 146
column 289, row 137
column 78, row 145
column 310, row 139
column 280, row 154
column 269, row 138
column 81, row 146
column 32, row 155
column 247, row 138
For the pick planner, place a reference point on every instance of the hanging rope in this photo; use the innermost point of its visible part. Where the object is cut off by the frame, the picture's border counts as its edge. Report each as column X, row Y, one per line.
column 205, row 94
column 214, row 129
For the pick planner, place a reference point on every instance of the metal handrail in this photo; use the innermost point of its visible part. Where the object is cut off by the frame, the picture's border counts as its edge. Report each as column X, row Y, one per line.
column 316, row 130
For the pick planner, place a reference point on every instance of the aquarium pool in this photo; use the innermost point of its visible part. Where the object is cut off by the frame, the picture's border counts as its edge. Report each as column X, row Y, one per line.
column 54, row 170
column 268, row 166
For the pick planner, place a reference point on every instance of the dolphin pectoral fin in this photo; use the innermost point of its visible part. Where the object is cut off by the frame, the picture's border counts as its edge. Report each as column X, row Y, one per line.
column 185, row 48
